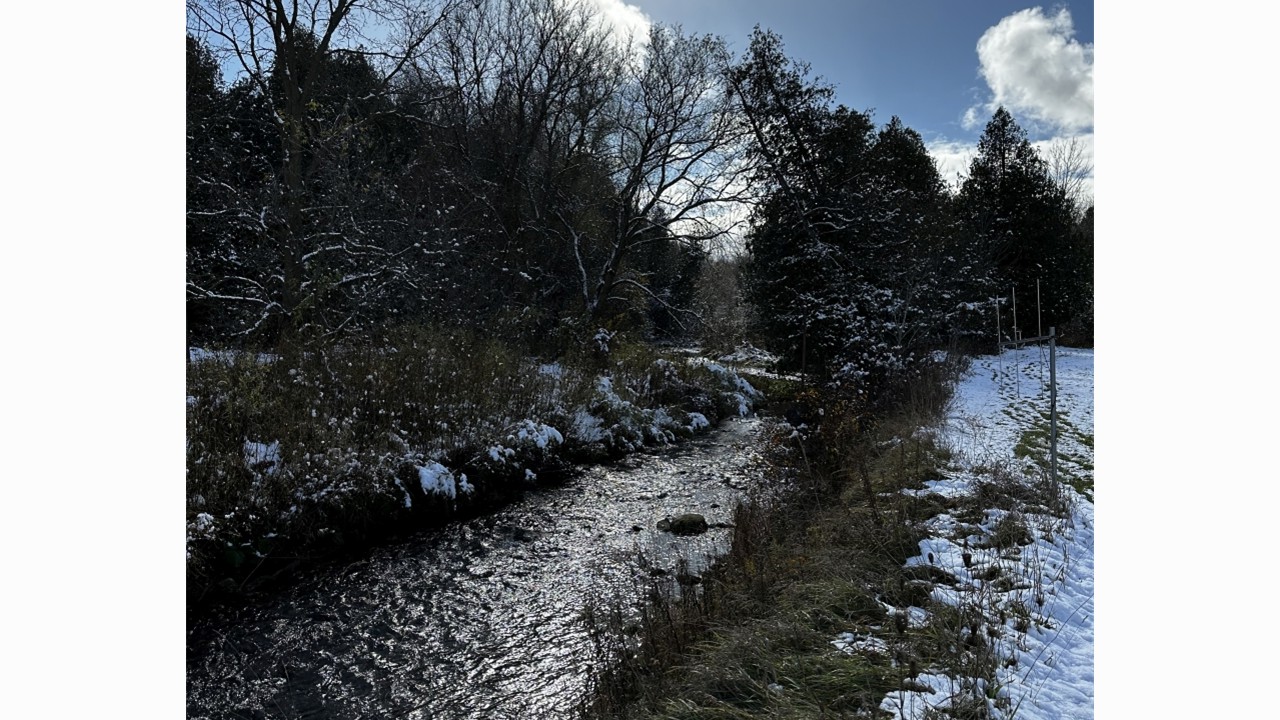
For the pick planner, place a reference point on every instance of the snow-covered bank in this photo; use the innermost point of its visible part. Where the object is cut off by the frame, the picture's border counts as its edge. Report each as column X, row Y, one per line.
column 1024, row 565
column 286, row 462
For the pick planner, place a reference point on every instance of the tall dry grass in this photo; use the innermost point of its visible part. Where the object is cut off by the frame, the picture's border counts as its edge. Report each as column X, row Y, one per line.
column 297, row 458
column 826, row 555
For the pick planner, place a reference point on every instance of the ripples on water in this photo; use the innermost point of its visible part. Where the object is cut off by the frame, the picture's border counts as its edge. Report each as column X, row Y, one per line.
column 479, row 619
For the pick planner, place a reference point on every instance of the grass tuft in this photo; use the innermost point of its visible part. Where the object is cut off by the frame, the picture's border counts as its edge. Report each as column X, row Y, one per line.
column 296, row 459
column 822, row 558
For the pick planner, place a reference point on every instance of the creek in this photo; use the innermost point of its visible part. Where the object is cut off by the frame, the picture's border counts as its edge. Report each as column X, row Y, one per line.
column 480, row 618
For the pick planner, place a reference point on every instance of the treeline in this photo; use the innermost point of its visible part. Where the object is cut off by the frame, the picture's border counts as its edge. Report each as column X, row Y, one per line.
column 521, row 168
column 513, row 165
column 861, row 260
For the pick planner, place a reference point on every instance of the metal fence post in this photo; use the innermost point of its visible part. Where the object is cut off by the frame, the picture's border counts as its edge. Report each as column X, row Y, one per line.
column 1053, row 407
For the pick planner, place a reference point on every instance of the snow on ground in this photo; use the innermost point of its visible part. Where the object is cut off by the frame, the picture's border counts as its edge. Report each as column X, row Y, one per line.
column 749, row 353
column 1004, row 396
column 1042, row 609
column 744, row 394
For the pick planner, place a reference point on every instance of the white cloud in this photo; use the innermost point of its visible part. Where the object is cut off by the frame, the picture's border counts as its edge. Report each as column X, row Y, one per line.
column 1038, row 70
column 627, row 20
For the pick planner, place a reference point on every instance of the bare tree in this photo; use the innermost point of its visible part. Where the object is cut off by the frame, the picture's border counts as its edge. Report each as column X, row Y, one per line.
column 585, row 146
column 677, row 157
column 725, row 314
column 532, row 86
column 1070, row 164
column 283, row 49
column 559, row 148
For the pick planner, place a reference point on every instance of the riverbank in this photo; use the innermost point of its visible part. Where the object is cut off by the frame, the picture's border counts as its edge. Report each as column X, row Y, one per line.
column 481, row 618
column 294, row 461
column 936, row 574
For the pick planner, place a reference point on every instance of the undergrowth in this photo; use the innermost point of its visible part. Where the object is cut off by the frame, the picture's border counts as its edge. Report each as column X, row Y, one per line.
column 858, row 593
column 826, row 559
column 294, row 459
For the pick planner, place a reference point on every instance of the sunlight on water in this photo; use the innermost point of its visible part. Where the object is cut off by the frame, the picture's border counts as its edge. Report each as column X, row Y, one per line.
column 480, row 619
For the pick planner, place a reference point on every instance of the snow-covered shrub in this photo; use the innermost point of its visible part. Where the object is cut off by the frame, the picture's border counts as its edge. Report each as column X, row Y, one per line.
column 601, row 341
column 347, row 443
column 527, row 446
column 436, row 479
column 622, row 422
column 734, row 396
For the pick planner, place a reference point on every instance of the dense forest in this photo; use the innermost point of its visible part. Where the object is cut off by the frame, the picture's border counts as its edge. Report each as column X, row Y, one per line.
column 521, row 169
column 440, row 242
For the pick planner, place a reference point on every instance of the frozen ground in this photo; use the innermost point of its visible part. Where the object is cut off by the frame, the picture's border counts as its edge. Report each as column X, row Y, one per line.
column 1038, row 613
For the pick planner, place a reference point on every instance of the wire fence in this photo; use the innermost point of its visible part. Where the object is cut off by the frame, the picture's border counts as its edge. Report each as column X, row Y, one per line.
column 1042, row 341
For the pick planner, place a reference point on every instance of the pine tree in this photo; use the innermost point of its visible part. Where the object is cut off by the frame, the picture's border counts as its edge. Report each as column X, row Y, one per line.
column 1021, row 221
column 932, row 275
column 852, row 269
column 792, row 254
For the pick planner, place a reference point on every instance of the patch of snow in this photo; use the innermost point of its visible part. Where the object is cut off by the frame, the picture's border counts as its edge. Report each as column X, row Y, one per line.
column 586, row 427
column 748, row 353
column 1050, row 647
column 730, row 378
column 602, row 338
column 438, row 479
column 540, row 435
column 204, row 522
column 661, row 427
column 408, row 500
column 852, row 643
column 922, row 704
column 946, row 487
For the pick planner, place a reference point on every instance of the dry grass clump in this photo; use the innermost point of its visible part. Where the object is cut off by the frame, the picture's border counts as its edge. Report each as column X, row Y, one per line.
column 295, row 458
column 754, row 637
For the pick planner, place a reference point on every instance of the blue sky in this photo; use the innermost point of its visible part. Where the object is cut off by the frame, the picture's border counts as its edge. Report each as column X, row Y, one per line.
column 941, row 65
column 920, row 59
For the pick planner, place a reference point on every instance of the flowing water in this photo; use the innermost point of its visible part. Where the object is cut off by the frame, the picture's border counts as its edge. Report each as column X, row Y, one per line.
column 479, row 619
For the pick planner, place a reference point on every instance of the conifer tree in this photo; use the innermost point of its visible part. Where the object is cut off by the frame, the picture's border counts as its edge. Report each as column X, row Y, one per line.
column 1020, row 220
column 852, row 268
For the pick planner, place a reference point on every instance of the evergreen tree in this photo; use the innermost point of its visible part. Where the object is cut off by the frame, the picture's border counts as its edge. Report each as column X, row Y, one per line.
column 1079, row 330
column 853, row 268
column 788, row 275
column 204, row 100
column 1021, row 221
column 936, row 290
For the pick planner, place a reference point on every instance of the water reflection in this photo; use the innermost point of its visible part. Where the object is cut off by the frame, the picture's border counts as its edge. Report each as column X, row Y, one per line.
column 480, row 619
